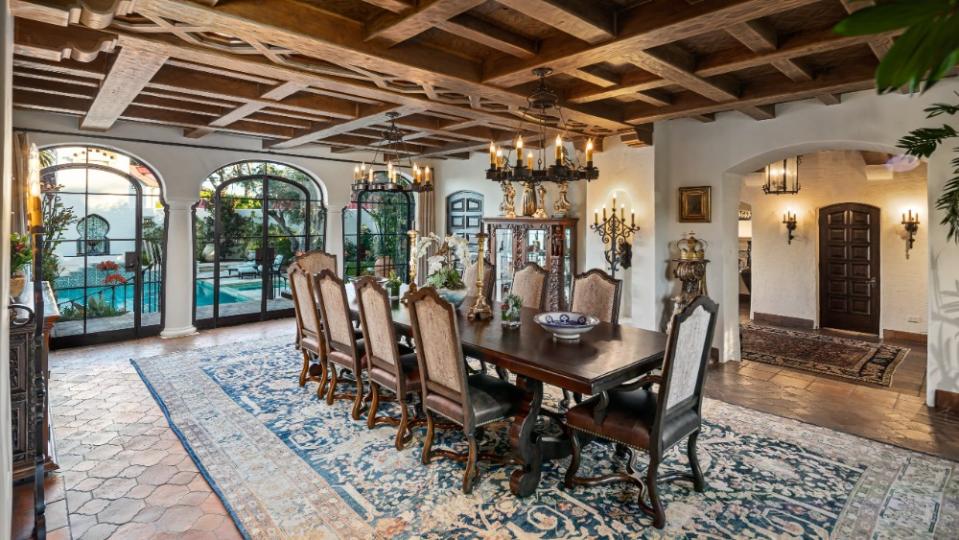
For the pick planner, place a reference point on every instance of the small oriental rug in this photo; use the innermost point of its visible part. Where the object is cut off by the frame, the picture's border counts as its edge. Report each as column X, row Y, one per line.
column 289, row 466
column 849, row 358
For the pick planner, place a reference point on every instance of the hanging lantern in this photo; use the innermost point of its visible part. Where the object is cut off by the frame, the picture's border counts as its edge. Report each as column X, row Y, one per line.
column 782, row 177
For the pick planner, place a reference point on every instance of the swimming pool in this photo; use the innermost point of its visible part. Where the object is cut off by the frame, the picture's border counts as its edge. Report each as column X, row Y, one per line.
column 121, row 296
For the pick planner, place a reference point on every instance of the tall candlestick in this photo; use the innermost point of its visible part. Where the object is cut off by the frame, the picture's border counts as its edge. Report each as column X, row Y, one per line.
column 632, row 216
column 33, row 181
column 589, row 150
column 559, row 149
column 604, row 212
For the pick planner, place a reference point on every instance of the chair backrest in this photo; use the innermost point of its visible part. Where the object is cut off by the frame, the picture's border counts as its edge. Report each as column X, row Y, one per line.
column 315, row 262
column 596, row 293
column 684, row 366
column 469, row 278
column 335, row 309
column 379, row 334
column 439, row 353
column 305, row 307
column 529, row 283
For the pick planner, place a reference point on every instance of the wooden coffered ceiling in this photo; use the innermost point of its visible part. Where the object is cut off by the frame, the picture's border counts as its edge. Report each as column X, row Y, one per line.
column 302, row 72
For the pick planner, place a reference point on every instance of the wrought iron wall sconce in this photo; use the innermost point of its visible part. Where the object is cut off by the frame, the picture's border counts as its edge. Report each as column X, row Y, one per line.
column 790, row 220
column 910, row 222
column 616, row 233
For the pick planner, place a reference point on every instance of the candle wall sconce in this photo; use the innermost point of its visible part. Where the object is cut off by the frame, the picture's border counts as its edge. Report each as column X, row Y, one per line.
column 910, row 222
column 616, row 233
column 790, row 220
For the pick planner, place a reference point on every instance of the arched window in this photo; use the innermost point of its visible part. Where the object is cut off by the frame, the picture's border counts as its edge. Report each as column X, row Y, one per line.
column 375, row 227
column 252, row 218
column 105, row 223
column 93, row 231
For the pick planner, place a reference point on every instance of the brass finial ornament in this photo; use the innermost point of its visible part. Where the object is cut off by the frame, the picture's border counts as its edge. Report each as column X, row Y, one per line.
column 691, row 248
column 412, row 264
column 481, row 311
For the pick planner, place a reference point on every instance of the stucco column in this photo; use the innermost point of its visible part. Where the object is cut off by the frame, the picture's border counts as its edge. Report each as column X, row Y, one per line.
column 178, row 308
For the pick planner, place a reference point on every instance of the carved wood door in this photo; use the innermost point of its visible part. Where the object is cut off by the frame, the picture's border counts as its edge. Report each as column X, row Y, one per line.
column 849, row 267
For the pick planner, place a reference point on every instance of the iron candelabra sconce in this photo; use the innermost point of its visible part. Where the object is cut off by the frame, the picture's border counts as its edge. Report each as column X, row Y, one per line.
column 615, row 233
column 910, row 222
column 789, row 219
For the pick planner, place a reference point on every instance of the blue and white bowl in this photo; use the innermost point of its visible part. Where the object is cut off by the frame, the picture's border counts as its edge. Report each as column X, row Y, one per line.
column 566, row 325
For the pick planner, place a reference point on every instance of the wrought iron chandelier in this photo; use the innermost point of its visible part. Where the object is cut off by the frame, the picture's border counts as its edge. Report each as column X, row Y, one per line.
column 782, row 177
column 545, row 114
column 365, row 178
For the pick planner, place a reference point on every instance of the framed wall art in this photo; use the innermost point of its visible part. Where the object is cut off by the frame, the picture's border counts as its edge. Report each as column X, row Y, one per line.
column 694, row 204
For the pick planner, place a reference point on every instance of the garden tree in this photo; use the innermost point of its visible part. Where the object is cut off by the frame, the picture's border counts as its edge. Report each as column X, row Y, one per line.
column 57, row 218
column 927, row 51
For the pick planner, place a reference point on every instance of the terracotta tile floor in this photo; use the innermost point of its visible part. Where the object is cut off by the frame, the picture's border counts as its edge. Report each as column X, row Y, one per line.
column 124, row 474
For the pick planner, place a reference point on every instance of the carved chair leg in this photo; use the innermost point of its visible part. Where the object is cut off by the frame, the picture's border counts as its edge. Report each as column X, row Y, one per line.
column 472, row 471
column 574, row 461
column 428, row 442
column 659, row 515
column 567, row 399
column 699, row 482
column 306, row 368
column 374, row 405
column 404, row 423
column 358, row 398
column 321, row 389
column 334, row 377
column 631, row 464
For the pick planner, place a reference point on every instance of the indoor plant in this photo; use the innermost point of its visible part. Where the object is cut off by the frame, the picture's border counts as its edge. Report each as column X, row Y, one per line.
column 20, row 256
column 442, row 273
column 393, row 284
column 510, row 311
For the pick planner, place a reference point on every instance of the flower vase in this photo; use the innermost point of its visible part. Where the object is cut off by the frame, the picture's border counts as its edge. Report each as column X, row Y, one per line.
column 453, row 296
column 17, row 282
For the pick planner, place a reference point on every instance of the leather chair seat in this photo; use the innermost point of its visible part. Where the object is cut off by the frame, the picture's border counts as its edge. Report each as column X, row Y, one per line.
column 311, row 343
column 491, row 398
column 629, row 419
column 344, row 359
column 411, row 374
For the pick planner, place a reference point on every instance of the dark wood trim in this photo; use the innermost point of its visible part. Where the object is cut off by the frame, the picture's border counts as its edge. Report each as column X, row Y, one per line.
column 900, row 335
column 946, row 401
column 784, row 321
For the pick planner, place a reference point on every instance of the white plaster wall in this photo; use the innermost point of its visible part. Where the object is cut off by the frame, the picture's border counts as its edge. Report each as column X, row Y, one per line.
column 718, row 154
column 786, row 276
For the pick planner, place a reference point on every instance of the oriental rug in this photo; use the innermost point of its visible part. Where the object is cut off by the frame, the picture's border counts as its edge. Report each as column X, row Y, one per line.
column 848, row 358
column 289, row 466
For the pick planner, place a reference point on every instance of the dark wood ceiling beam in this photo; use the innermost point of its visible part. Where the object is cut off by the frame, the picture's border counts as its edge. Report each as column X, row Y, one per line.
column 362, row 143
column 726, row 62
column 770, row 90
column 761, row 38
column 132, row 69
column 392, row 29
column 370, row 117
column 674, row 65
column 829, row 99
column 597, row 75
column 396, row 6
column 879, row 45
column 581, row 19
column 490, row 35
column 639, row 137
column 645, row 26
column 276, row 93
column 52, row 87
column 759, row 112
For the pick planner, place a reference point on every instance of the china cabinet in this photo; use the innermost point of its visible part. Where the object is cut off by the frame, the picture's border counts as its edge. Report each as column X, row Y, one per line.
column 550, row 243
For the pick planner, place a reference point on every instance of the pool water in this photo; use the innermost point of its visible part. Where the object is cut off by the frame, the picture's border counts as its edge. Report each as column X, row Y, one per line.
column 122, row 296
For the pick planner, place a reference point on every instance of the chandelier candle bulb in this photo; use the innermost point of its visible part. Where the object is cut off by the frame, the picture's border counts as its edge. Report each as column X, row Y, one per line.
column 499, row 157
column 596, row 216
column 589, row 151
column 426, row 171
column 559, row 149
column 529, row 160
column 492, row 155
column 632, row 217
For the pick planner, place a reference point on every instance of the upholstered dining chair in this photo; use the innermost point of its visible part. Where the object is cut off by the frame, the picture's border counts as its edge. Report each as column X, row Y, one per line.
column 469, row 279
column 529, row 283
column 342, row 348
column 315, row 262
column 638, row 418
column 596, row 293
column 471, row 401
column 387, row 367
column 309, row 331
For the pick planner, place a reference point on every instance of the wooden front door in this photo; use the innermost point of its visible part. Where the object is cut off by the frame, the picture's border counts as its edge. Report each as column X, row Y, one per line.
column 849, row 267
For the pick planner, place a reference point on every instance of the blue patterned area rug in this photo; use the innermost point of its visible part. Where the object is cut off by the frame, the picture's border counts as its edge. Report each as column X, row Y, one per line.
column 289, row 466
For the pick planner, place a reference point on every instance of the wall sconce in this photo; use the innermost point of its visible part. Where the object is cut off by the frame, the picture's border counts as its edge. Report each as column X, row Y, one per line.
column 790, row 220
column 910, row 222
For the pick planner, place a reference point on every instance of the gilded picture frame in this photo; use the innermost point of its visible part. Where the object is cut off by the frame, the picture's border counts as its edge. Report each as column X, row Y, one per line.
column 695, row 204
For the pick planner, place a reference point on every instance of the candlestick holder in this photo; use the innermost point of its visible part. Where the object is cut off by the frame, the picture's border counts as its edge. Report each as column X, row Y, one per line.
column 911, row 224
column 790, row 221
column 615, row 233
column 481, row 311
column 412, row 265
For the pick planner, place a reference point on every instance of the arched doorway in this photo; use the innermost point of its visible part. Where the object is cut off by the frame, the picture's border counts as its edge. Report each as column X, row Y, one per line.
column 106, row 231
column 252, row 218
column 375, row 227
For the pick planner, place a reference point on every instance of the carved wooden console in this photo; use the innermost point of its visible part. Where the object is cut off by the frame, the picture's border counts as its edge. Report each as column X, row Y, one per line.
column 550, row 243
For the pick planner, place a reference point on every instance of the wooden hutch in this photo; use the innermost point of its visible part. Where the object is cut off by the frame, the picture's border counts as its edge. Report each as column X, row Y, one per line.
column 550, row 243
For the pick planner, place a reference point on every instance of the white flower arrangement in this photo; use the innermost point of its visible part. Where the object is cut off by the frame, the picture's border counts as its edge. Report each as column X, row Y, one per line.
column 440, row 269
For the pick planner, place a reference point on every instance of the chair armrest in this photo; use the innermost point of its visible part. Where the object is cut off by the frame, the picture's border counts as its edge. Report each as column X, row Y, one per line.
column 641, row 382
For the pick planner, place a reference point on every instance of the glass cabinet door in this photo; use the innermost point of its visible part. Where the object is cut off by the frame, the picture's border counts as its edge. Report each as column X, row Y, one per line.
column 536, row 244
column 567, row 266
column 503, row 259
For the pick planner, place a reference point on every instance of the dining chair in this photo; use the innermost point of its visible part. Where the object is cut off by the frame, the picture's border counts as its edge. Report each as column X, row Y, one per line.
column 470, row 402
column 469, row 279
column 310, row 339
column 636, row 417
column 342, row 348
column 387, row 367
column 529, row 283
column 315, row 262
column 598, row 294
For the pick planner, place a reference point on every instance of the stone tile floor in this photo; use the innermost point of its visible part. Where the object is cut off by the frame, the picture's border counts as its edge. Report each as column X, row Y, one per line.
column 124, row 474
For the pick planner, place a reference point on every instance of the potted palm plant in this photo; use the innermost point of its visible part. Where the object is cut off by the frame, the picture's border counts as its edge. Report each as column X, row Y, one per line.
column 20, row 256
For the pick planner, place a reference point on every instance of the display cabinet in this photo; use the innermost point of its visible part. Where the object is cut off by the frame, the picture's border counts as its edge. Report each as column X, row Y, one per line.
column 550, row 243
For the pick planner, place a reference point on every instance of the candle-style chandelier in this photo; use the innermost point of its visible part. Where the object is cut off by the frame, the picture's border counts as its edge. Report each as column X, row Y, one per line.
column 365, row 178
column 545, row 114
